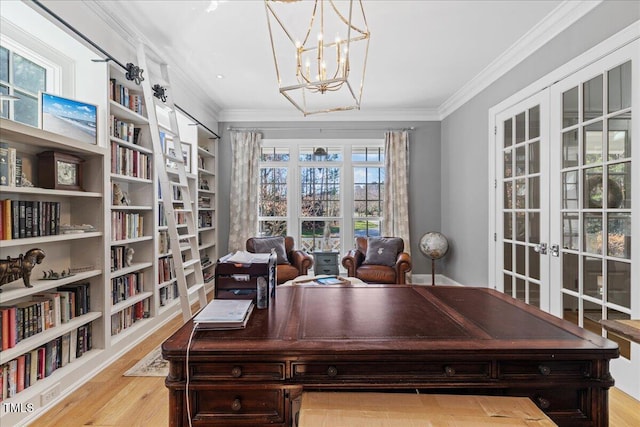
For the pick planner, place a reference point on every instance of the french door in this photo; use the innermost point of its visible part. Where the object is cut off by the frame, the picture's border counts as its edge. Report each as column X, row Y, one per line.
column 522, row 201
column 567, row 190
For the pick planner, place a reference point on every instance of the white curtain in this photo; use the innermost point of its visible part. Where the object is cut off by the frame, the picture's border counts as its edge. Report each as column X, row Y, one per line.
column 396, row 187
column 245, row 147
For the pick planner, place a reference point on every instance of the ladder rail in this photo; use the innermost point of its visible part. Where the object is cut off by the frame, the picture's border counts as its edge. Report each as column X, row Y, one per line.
column 191, row 265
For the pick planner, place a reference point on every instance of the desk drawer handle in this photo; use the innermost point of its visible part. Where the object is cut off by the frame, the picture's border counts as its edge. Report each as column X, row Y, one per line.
column 236, row 405
column 449, row 371
column 332, row 371
column 543, row 403
column 236, row 372
column 544, row 370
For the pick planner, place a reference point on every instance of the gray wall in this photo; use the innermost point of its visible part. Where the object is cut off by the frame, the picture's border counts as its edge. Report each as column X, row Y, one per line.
column 424, row 187
column 465, row 174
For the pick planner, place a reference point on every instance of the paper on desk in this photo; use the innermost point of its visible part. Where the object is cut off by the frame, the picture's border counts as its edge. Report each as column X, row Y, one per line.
column 244, row 257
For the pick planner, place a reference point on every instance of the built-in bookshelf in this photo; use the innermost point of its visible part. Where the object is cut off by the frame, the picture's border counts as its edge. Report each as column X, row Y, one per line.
column 206, row 202
column 49, row 332
column 107, row 240
column 132, row 207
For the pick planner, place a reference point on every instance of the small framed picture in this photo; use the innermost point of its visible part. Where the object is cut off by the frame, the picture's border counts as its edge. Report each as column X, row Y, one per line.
column 64, row 116
column 186, row 155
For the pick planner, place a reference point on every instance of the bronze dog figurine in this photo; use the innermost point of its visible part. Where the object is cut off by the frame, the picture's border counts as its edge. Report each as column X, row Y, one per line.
column 14, row 268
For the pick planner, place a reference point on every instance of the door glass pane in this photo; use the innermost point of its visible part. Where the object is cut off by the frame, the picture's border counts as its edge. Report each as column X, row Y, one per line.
column 623, row 343
column 592, row 272
column 521, row 160
column 534, row 264
column 570, row 271
column 520, row 128
column 593, row 143
column 570, row 107
column 570, row 308
column 619, row 186
column 593, row 188
column 592, row 98
column 593, row 233
column 508, row 133
column 570, row 190
column 619, row 235
column 521, row 193
column 570, row 149
column 534, row 122
column 570, row 231
column 508, row 195
column 508, row 286
column 619, row 87
column 619, row 138
column 520, row 226
column 520, row 289
column 534, row 294
column 534, row 227
column 508, row 165
column 508, row 225
column 619, row 283
column 320, row 235
column 508, row 257
column 592, row 315
column 534, row 157
column 534, row 193
column 521, row 262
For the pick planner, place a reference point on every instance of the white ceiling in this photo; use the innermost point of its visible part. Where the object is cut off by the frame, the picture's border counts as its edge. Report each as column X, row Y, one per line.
column 425, row 57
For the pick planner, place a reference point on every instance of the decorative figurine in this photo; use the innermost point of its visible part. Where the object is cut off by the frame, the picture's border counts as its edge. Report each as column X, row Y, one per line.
column 15, row 268
column 129, row 257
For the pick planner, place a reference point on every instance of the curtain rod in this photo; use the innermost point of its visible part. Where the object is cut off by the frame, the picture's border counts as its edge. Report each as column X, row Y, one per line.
column 232, row 129
column 108, row 56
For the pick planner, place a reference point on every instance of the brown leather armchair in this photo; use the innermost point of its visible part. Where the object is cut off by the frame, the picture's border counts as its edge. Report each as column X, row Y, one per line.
column 297, row 262
column 354, row 262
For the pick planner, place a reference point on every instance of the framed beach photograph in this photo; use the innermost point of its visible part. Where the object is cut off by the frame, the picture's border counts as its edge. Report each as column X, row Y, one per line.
column 68, row 117
column 186, row 154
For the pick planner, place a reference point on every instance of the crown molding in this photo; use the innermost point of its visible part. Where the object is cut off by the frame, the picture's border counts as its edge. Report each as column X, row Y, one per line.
column 292, row 115
column 559, row 19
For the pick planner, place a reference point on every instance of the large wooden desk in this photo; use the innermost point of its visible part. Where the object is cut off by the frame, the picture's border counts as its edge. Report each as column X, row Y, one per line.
column 377, row 337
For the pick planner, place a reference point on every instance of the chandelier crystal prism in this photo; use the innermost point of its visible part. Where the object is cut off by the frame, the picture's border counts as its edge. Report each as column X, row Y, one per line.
column 320, row 50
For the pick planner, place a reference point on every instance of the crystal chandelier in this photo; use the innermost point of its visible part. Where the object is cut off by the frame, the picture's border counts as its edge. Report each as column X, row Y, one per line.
column 320, row 52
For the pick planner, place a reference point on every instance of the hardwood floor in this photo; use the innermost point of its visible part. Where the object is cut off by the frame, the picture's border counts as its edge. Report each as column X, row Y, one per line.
column 111, row 399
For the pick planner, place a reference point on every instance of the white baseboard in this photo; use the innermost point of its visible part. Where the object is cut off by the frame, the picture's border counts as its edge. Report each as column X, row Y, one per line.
column 425, row 279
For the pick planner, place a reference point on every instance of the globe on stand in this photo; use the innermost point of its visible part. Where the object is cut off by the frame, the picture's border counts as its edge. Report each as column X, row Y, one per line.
column 434, row 245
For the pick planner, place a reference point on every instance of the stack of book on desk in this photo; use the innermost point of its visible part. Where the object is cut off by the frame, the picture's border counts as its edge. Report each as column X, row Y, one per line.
column 224, row 314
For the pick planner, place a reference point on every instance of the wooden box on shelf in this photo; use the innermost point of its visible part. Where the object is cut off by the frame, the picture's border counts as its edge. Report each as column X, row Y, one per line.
column 59, row 171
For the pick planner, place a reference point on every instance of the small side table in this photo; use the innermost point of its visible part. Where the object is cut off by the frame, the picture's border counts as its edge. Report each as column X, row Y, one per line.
column 325, row 263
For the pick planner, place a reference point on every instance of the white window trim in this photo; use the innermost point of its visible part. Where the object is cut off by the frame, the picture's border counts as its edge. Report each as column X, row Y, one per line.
column 347, row 239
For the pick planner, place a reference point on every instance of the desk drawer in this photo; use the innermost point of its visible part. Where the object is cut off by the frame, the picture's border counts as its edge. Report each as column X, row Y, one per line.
column 224, row 406
column 366, row 371
column 222, row 371
column 518, row 369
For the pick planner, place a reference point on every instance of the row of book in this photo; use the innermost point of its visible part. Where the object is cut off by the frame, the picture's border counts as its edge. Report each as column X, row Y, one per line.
column 26, row 218
column 41, row 312
column 126, row 225
column 29, row 368
column 165, row 269
column 126, row 318
column 123, row 96
column 125, row 131
column 205, row 219
column 168, row 293
column 118, row 257
column 10, row 166
column 129, row 162
column 124, row 287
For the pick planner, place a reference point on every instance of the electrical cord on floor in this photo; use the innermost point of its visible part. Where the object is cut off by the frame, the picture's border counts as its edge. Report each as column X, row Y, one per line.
column 186, row 391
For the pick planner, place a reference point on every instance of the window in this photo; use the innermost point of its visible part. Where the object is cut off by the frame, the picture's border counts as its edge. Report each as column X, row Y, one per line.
column 23, row 78
column 324, row 193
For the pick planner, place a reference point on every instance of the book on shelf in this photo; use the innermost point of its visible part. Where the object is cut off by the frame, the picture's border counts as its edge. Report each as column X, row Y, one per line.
column 224, row 314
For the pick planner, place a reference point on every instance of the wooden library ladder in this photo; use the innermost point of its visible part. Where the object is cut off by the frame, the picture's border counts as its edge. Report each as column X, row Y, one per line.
column 172, row 177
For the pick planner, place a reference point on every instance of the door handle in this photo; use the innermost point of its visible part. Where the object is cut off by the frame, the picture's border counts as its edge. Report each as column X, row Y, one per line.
column 555, row 250
column 541, row 248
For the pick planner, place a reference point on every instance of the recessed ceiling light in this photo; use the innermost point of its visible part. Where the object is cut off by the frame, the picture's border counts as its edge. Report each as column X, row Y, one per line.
column 219, row 76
